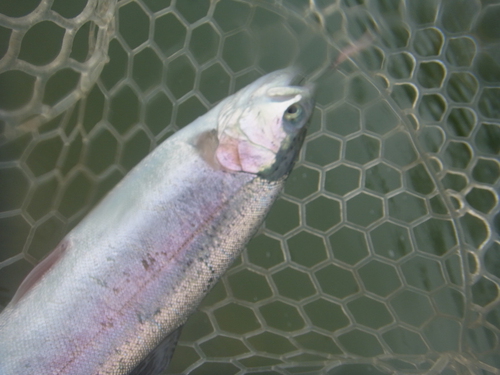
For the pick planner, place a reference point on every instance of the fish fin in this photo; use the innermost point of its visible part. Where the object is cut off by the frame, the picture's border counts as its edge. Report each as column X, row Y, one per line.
column 227, row 154
column 158, row 360
column 40, row 269
column 260, row 230
column 206, row 145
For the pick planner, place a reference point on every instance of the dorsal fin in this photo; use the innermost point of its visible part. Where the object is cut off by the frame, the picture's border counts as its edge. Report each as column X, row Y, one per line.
column 157, row 361
column 40, row 269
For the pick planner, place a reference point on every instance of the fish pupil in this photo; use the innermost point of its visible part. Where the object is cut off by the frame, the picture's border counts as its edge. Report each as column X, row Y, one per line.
column 293, row 112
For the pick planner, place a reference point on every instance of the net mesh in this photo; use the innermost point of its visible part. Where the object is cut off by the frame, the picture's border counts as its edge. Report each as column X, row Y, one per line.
column 382, row 255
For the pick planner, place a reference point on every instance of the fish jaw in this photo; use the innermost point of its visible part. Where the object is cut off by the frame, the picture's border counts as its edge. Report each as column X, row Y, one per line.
column 261, row 122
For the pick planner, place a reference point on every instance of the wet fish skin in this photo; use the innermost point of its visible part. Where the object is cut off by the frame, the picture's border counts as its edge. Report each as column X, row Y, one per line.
column 139, row 264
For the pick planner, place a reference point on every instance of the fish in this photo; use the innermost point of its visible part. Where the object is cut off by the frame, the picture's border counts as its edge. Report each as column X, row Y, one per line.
column 114, row 294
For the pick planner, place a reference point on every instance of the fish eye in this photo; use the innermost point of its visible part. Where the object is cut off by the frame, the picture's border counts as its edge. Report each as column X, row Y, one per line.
column 293, row 112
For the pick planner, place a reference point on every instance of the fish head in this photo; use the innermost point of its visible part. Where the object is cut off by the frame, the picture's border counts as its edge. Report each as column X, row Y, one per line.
column 262, row 127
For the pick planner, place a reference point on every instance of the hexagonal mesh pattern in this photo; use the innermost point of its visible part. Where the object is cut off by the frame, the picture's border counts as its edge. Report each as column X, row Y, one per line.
column 382, row 255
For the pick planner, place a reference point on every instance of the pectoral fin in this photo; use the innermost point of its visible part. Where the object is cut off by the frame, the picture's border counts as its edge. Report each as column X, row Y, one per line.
column 40, row 269
column 158, row 360
column 207, row 144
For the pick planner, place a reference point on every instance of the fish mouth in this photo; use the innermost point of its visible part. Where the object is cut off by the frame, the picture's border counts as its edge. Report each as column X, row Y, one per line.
column 283, row 85
column 285, row 91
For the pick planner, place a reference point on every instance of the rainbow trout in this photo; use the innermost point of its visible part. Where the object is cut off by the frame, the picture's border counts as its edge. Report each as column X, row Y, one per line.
column 123, row 282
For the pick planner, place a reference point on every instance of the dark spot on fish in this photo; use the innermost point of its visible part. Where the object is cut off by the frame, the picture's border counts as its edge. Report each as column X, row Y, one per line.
column 140, row 318
column 145, row 264
column 210, row 267
column 116, row 290
column 99, row 281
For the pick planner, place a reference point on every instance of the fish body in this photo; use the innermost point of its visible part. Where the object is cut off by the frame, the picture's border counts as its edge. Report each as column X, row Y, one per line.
column 129, row 275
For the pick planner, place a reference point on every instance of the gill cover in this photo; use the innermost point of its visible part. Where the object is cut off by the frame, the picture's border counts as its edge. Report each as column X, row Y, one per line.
column 261, row 122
